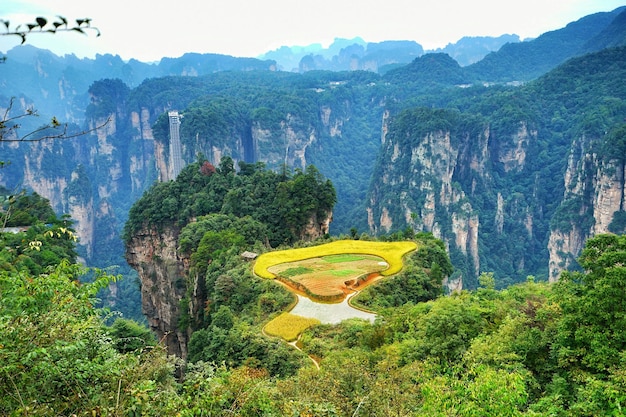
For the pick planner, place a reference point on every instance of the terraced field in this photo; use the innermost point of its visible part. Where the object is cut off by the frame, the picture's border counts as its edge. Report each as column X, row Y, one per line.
column 330, row 277
column 330, row 271
column 327, row 273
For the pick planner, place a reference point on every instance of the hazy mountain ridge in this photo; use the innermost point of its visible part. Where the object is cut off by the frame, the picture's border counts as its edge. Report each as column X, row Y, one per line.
column 528, row 60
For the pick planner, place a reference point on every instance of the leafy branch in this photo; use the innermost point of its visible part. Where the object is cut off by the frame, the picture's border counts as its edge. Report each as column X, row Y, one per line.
column 52, row 130
column 41, row 25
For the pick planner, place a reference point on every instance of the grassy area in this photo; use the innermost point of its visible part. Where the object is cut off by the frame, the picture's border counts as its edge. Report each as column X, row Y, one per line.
column 343, row 272
column 289, row 326
column 292, row 272
column 343, row 258
column 391, row 252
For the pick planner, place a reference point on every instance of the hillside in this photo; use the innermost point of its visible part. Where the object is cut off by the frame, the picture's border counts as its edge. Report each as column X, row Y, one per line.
column 514, row 352
column 527, row 60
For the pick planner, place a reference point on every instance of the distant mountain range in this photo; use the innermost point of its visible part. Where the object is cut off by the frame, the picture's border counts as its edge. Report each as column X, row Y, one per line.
column 35, row 73
column 357, row 54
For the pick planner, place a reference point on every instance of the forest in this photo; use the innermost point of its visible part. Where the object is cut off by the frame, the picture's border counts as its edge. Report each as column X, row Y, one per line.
column 532, row 349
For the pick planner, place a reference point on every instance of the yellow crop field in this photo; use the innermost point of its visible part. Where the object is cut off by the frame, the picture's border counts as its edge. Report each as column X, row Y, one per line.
column 289, row 326
column 391, row 252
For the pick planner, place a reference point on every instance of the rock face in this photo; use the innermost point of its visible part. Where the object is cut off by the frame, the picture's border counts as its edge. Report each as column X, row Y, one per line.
column 594, row 199
column 479, row 191
column 161, row 270
column 422, row 170
column 316, row 227
column 168, row 290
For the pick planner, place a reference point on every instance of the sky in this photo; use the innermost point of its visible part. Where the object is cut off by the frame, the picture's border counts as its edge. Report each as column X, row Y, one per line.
column 151, row 30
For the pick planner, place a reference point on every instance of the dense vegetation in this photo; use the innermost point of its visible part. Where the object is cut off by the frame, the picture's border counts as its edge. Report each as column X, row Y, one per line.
column 32, row 236
column 420, row 280
column 284, row 203
column 534, row 349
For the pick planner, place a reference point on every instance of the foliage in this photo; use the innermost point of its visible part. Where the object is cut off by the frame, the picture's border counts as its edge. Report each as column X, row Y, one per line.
column 531, row 349
column 35, row 245
column 244, row 345
column 106, row 96
column 56, row 356
column 40, row 25
column 283, row 203
column 10, row 127
column 593, row 304
column 130, row 336
column 23, row 209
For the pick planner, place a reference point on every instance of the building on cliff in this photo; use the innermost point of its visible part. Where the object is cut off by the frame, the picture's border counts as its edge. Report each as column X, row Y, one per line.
column 176, row 153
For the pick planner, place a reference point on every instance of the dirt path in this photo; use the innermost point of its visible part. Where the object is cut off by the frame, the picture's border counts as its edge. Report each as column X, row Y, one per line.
column 295, row 345
column 315, row 362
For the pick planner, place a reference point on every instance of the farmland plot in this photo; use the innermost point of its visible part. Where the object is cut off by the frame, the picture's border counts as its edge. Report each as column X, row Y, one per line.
column 324, row 277
column 329, row 278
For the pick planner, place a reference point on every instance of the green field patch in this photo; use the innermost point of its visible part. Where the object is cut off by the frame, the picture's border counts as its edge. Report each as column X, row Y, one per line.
column 344, row 272
column 348, row 257
column 299, row 270
column 391, row 252
column 331, row 271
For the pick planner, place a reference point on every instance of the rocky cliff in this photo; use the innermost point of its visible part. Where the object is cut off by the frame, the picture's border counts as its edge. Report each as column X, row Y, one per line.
column 488, row 195
column 162, row 273
column 589, row 205
column 443, row 181
column 171, row 293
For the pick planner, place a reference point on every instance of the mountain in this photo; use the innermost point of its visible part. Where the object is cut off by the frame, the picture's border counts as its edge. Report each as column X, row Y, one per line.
column 345, row 55
column 494, row 152
column 471, row 49
column 58, row 85
column 612, row 35
column 356, row 54
column 525, row 175
column 524, row 61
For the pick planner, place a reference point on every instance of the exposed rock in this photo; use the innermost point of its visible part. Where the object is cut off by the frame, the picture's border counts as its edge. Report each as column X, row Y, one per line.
column 500, row 213
column 316, row 228
column 83, row 214
column 608, row 196
column 424, row 172
column 162, row 275
column 598, row 197
column 563, row 248
column 514, row 158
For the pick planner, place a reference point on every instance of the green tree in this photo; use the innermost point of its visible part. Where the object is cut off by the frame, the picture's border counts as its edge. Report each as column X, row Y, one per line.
column 56, row 356
column 592, row 335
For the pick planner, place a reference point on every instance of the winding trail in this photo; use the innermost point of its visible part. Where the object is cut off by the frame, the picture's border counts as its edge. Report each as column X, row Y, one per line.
column 295, row 344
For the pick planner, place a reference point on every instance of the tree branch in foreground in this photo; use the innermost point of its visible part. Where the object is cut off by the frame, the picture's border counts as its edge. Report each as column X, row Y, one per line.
column 41, row 25
column 9, row 129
